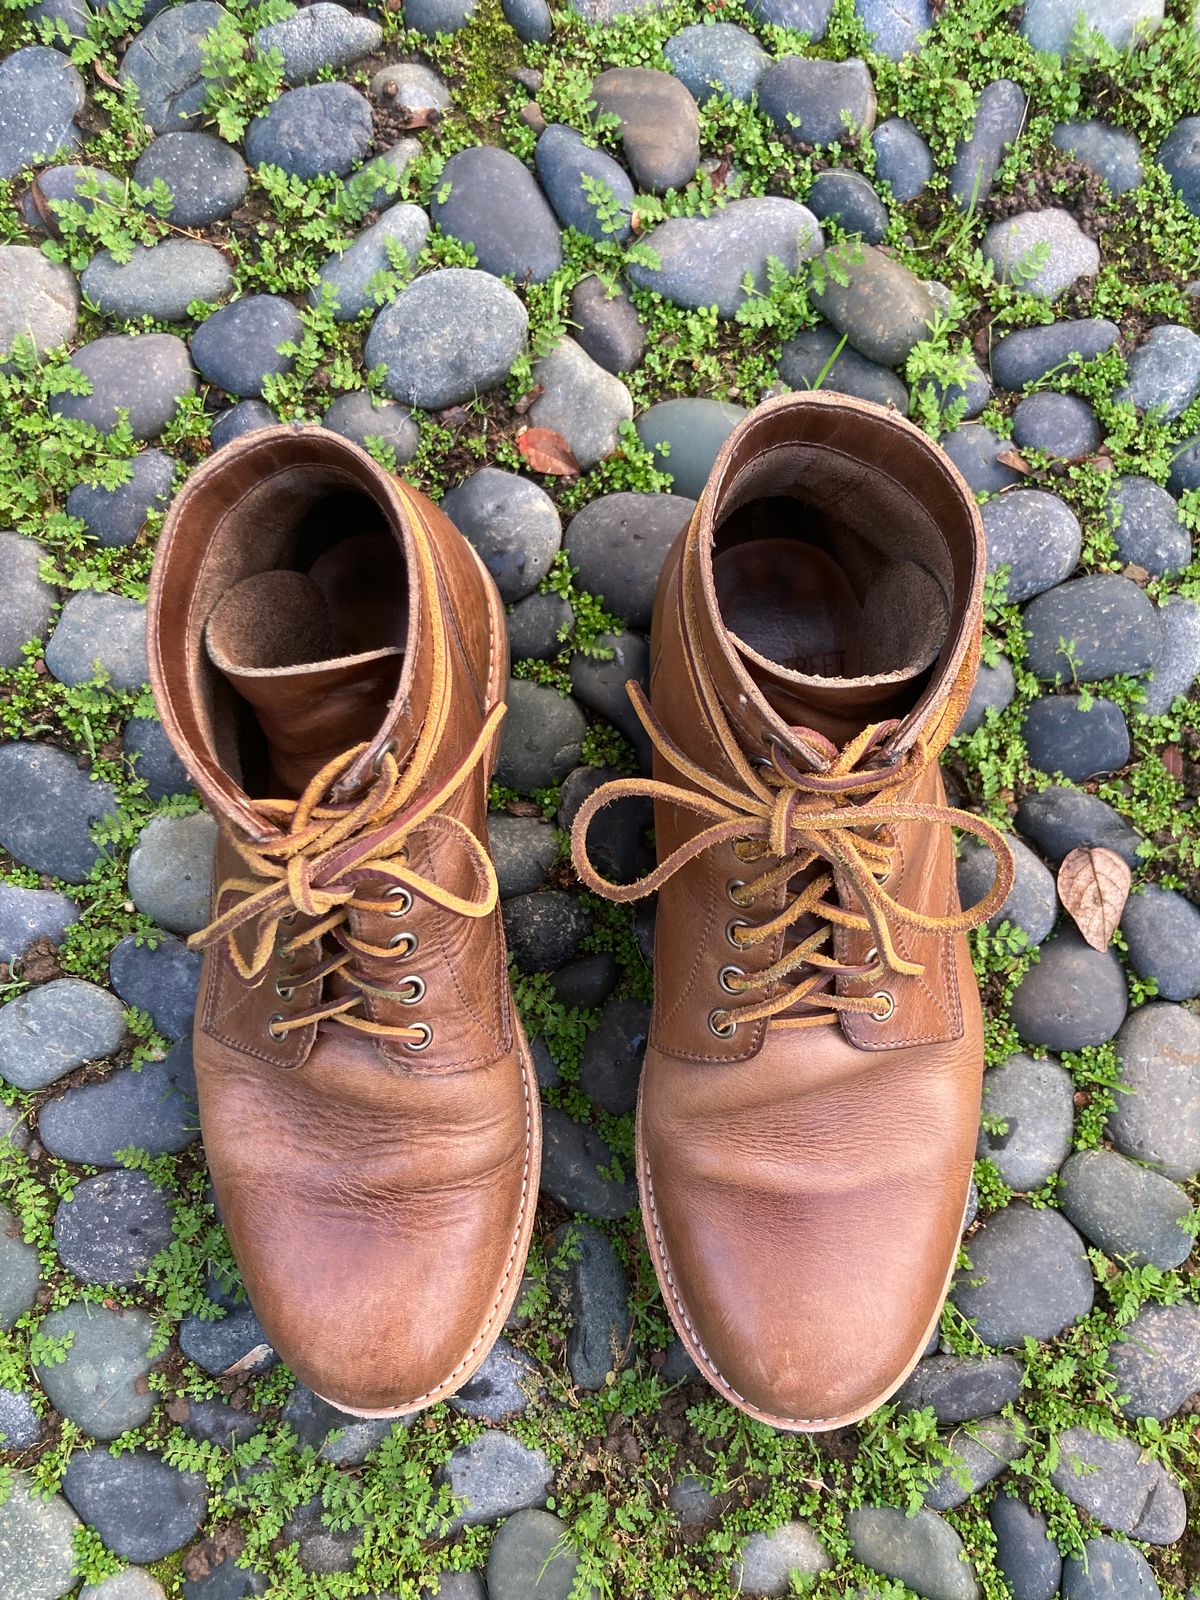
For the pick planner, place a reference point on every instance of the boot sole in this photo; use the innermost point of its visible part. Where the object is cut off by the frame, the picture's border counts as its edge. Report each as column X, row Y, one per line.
column 712, row 1375
column 511, row 1282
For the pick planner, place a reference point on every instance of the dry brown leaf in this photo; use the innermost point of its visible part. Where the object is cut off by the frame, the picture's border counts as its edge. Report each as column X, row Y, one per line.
column 1015, row 460
column 1093, row 885
column 251, row 1359
column 1172, row 760
column 105, row 76
column 548, row 452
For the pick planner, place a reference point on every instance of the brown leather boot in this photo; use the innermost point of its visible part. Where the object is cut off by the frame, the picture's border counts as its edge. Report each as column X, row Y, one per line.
column 328, row 656
column 810, row 1096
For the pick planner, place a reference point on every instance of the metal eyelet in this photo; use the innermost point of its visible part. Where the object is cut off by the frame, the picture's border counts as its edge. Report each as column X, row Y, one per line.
column 731, row 889
column 387, row 749
column 286, row 958
column 730, row 927
column 416, row 990
column 719, row 1029
column 426, row 1038
column 404, row 943
column 285, row 991
column 871, row 955
column 399, row 892
column 890, row 1003
column 724, row 976
column 288, row 918
column 272, row 1026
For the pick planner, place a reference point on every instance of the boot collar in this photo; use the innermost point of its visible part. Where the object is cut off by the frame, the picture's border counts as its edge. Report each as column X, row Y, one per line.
column 891, row 444
column 266, row 479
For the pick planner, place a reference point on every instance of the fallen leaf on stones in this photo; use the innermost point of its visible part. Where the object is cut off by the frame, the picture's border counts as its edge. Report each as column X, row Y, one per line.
column 251, row 1359
column 1172, row 760
column 1093, row 885
column 548, row 452
column 1015, row 460
column 527, row 399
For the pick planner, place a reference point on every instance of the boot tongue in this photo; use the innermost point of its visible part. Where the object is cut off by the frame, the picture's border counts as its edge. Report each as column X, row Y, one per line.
column 839, row 708
column 282, row 641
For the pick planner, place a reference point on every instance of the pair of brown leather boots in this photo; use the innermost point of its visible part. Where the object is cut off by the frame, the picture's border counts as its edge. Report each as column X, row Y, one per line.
column 329, row 658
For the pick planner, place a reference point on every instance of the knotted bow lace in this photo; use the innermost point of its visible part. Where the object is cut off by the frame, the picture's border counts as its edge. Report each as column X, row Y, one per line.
column 328, row 861
column 793, row 819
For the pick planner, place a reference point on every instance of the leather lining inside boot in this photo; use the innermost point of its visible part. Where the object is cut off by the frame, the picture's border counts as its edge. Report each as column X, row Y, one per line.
column 835, row 586
column 313, row 652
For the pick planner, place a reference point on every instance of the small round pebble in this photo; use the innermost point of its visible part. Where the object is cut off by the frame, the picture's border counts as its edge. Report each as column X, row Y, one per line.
column 1111, row 153
column 115, row 517
column 1178, row 662
column 1023, row 357
column 1032, row 902
column 883, row 310
column 1026, row 1555
column 544, row 930
column 1059, row 818
column 20, row 1425
column 995, row 686
column 151, row 756
column 48, row 805
column 821, row 358
column 153, row 1109
column 569, row 170
column 999, row 117
column 575, row 1160
column 103, row 633
column 619, row 541
column 1164, row 372
column 717, row 58
column 1029, row 1275
column 772, row 1563
column 410, row 86
column 1072, row 996
column 1026, row 1125
column 1133, row 1215
column 170, row 871
column 479, row 193
column 902, row 158
column 28, row 601
column 50, row 1030
column 531, row 1553
column 540, row 736
column 27, row 915
column 660, row 126
column 245, row 417
column 961, row 1388
column 538, row 626
column 849, row 200
column 1146, row 526
column 37, row 1542
column 1156, row 1360
column 144, row 374
column 1060, row 425
column 449, row 336
column 815, row 101
column 352, row 277
column 704, row 261
column 684, row 437
column 165, row 64
column 142, row 1508
column 1162, row 930
column 207, row 177
column 1036, row 536
column 581, row 401
column 238, row 347
column 1109, row 1569
column 39, row 300
column 1156, row 1119
column 1108, row 624
column 1078, row 738
column 975, row 450
column 20, row 1270
column 607, row 326
column 111, row 1227
column 920, row 1550
column 161, row 979
column 322, row 130
column 1070, row 253
column 1122, row 1486
column 101, row 1384
column 512, row 523
column 321, row 35
column 158, row 280
column 361, row 417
